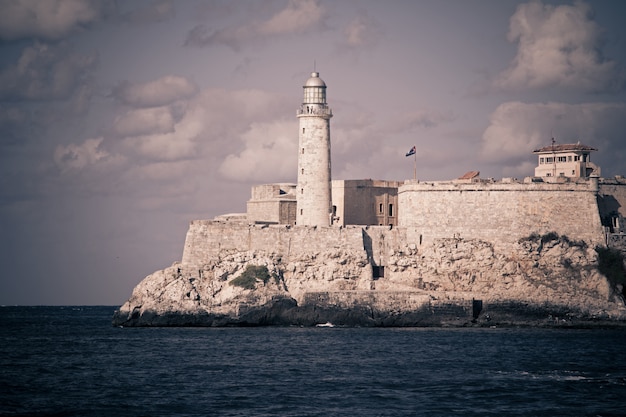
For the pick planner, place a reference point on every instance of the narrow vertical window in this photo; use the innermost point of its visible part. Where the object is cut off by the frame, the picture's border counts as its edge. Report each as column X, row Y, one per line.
column 302, row 171
column 390, row 209
column 380, row 208
column 302, row 130
column 302, row 151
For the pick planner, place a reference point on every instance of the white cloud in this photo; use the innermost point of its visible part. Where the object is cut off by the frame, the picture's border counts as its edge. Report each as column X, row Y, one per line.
column 46, row 20
column 363, row 30
column 299, row 16
column 209, row 124
column 46, row 72
column 558, row 46
column 136, row 122
column 516, row 129
column 270, row 154
column 160, row 92
column 80, row 156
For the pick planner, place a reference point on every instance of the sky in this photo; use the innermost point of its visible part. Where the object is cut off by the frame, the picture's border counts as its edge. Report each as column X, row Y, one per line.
column 120, row 122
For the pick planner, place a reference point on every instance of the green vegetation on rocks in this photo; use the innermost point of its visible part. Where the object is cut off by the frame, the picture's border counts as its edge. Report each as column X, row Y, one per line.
column 252, row 274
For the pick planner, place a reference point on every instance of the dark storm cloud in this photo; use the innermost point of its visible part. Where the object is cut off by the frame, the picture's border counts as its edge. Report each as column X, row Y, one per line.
column 45, row 72
column 46, row 20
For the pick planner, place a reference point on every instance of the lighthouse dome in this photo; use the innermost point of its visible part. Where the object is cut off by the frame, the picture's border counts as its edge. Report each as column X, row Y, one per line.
column 315, row 81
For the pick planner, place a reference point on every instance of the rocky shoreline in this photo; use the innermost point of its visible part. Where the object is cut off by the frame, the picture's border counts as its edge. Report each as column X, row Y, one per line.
column 286, row 312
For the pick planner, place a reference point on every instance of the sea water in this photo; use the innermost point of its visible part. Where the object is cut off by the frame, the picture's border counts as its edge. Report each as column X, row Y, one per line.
column 70, row 361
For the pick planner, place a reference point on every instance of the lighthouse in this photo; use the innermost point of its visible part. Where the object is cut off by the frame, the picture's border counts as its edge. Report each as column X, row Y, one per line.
column 313, row 193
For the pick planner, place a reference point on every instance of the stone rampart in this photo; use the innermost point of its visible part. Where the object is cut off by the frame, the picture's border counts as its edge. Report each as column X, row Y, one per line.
column 206, row 239
column 500, row 213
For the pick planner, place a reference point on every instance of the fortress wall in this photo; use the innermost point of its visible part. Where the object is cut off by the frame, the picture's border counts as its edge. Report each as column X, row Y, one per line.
column 206, row 239
column 381, row 241
column 612, row 200
column 499, row 212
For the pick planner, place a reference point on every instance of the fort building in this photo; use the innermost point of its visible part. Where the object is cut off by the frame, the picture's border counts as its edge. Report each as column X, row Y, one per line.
column 565, row 195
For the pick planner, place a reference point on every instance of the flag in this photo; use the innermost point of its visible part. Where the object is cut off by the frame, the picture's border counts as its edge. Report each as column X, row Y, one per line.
column 411, row 152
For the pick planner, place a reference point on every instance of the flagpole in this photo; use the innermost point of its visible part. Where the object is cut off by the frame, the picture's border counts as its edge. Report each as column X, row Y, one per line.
column 415, row 166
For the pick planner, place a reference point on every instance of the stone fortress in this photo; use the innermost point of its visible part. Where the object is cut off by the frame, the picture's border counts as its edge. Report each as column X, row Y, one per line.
column 379, row 252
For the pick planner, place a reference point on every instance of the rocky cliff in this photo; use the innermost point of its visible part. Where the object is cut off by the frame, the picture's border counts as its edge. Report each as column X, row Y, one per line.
column 540, row 280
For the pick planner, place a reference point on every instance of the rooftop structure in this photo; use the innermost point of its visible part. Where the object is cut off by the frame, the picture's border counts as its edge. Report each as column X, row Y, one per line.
column 565, row 160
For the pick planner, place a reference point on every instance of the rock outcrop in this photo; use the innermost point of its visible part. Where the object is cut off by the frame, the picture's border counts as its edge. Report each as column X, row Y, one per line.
column 540, row 280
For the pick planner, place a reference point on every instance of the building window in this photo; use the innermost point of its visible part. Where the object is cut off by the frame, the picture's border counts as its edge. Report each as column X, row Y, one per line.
column 569, row 158
column 562, row 159
column 301, row 190
column 577, row 158
column 302, row 171
column 390, row 209
column 573, row 172
column 302, row 151
column 301, row 212
column 541, row 160
column 549, row 160
column 302, row 130
column 380, row 208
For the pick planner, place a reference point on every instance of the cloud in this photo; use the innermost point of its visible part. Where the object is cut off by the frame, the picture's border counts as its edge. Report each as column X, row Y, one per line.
column 160, row 92
column 362, row 31
column 80, row 156
column 138, row 122
column 45, row 20
column 270, row 154
column 425, row 118
column 300, row 16
column 45, row 72
column 155, row 11
column 558, row 46
column 516, row 129
column 206, row 125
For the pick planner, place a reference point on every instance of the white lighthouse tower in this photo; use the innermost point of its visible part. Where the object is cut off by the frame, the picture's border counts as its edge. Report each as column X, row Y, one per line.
column 313, row 194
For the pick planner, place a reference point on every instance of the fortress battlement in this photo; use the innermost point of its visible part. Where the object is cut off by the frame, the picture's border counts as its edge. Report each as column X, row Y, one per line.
column 526, row 185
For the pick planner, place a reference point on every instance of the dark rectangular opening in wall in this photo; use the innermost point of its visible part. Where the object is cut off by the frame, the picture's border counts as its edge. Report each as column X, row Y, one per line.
column 379, row 272
column 390, row 210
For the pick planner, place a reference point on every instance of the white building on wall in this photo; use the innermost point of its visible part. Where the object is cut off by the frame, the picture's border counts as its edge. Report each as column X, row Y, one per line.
column 565, row 160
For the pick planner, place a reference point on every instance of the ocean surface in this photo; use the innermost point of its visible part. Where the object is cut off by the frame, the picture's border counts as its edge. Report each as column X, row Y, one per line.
column 70, row 361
